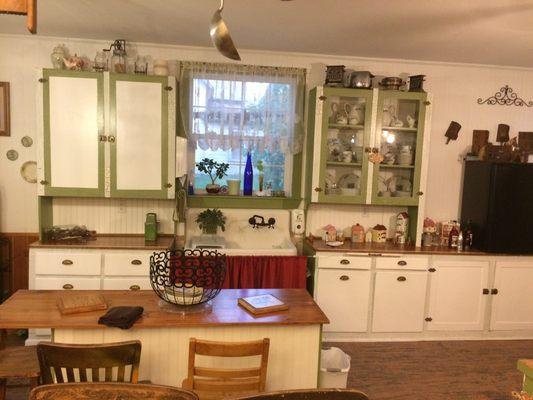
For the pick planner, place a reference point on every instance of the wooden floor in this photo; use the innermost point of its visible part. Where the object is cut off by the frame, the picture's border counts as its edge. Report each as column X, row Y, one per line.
column 453, row 370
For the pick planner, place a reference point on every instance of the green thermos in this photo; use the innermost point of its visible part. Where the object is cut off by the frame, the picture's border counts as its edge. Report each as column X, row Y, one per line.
column 150, row 227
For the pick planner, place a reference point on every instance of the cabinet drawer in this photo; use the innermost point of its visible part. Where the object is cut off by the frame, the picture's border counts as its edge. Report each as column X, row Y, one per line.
column 403, row 263
column 67, row 283
column 67, row 263
column 141, row 283
column 344, row 262
column 127, row 264
column 399, row 300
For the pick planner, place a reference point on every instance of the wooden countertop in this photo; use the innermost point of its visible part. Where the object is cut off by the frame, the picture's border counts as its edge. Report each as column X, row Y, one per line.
column 388, row 248
column 37, row 309
column 128, row 242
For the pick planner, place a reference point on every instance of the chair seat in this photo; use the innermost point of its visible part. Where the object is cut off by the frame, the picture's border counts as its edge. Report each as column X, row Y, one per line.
column 19, row 362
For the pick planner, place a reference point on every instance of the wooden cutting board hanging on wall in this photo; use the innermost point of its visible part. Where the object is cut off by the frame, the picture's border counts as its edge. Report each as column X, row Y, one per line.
column 22, row 7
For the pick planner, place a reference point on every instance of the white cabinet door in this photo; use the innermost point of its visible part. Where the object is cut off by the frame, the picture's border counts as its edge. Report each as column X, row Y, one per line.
column 140, row 142
column 399, row 300
column 343, row 295
column 456, row 300
column 72, row 127
column 512, row 306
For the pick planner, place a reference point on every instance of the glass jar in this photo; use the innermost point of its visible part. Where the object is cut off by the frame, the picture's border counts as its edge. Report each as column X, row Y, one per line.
column 118, row 62
column 141, row 66
column 100, row 61
column 161, row 67
column 57, row 56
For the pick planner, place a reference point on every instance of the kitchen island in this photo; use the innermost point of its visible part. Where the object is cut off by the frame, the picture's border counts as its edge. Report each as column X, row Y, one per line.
column 294, row 334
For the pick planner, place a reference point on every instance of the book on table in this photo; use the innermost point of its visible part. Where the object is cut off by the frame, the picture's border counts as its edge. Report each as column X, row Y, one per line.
column 262, row 304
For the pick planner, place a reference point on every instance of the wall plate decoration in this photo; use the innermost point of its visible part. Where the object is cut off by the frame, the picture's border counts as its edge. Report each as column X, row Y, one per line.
column 505, row 97
column 28, row 171
column 4, row 109
column 12, row 155
column 26, row 141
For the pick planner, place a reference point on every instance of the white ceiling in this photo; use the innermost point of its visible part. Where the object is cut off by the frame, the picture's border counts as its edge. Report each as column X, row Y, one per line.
column 472, row 31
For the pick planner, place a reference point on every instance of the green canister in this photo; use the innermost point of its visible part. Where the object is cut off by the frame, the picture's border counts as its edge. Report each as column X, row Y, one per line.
column 150, row 227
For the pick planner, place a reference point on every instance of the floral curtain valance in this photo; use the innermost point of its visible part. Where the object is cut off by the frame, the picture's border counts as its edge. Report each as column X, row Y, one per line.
column 224, row 106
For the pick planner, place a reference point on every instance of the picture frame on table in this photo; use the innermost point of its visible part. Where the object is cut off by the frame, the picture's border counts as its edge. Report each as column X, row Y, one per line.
column 4, row 110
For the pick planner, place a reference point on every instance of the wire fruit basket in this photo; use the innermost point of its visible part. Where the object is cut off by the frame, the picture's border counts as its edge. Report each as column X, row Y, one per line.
column 187, row 277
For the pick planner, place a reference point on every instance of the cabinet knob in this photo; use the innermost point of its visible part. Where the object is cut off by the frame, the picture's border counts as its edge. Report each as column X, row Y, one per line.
column 168, row 88
column 111, row 139
column 494, row 291
column 43, row 182
column 344, row 261
column 427, row 103
column 402, row 263
column 431, row 269
column 420, row 193
column 68, row 286
column 401, row 279
column 103, row 138
column 136, row 262
column 486, row 291
column 168, row 185
column 43, row 80
column 344, row 277
column 322, row 98
column 429, row 319
column 318, row 189
column 135, row 287
column 67, row 262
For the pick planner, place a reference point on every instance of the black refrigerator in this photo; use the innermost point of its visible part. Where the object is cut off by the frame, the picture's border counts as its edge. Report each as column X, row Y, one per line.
column 498, row 202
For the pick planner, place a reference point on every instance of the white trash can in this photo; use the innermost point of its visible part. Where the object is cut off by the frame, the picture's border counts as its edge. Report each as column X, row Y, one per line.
column 334, row 368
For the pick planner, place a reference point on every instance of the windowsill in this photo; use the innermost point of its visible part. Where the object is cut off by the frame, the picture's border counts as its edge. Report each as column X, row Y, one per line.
column 226, row 201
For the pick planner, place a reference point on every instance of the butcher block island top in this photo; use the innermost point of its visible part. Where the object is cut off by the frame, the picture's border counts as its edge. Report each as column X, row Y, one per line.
column 38, row 309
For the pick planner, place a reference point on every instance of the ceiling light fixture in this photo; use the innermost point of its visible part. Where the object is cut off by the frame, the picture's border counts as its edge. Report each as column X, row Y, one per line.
column 220, row 35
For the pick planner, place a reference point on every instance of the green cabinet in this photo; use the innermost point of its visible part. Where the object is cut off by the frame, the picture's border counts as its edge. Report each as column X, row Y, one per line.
column 365, row 146
column 107, row 135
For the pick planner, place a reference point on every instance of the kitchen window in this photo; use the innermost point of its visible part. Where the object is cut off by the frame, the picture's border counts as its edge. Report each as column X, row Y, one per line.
column 229, row 110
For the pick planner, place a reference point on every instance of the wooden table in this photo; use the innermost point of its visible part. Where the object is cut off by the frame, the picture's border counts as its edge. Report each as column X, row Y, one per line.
column 294, row 334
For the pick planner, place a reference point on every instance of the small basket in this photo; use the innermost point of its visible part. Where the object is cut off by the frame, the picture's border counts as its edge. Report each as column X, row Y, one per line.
column 186, row 277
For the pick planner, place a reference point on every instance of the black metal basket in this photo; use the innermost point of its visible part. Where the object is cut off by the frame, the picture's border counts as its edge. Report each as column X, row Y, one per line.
column 187, row 277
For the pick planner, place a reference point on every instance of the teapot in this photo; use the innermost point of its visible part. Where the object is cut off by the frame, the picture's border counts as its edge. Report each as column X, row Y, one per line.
column 74, row 63
column 354, row 114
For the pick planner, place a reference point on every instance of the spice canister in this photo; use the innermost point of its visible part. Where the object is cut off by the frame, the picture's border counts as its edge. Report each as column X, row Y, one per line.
column 150, row 227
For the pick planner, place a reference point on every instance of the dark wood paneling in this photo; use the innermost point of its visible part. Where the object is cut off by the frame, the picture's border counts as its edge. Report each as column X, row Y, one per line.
column 19, row 245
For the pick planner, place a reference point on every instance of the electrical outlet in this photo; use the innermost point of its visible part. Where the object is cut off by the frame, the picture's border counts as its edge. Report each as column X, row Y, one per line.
column 297, row 222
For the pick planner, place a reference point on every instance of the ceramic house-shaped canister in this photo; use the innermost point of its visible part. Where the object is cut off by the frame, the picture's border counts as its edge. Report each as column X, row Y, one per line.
column 402, row 227
column 358, row 234
column 329, row 233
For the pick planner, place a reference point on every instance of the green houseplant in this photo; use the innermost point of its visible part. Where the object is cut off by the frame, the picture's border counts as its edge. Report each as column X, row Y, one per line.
column 214, row 170
column 210, row 220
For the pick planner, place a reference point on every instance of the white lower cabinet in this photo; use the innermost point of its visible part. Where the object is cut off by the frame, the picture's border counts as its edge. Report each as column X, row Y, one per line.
column 399, row 300
column 135, row 283
column 458, row 295
column 512, row 301
column 67, row 283
column 343, row 295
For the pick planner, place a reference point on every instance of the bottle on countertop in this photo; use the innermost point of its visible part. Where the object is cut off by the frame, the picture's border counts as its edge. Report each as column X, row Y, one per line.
column 468, row 236
column 248, row 176
column 460, row 241
column 454, row 235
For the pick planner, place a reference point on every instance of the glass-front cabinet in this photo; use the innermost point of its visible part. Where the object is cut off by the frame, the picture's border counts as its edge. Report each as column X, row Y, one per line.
column 399, row 139
column 365, row 146
column 340, row 164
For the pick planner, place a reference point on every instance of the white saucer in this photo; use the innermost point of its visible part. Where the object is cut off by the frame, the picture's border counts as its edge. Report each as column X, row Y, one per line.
column 334, row 244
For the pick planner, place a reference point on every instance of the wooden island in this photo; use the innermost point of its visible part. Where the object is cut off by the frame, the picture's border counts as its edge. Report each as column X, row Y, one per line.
column 294, row 334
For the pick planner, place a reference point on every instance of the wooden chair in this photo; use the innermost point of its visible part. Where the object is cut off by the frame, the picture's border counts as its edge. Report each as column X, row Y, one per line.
column 218, row 383
column 109, row 391
column 56, row 357
column 310, row 394
column 17, row 362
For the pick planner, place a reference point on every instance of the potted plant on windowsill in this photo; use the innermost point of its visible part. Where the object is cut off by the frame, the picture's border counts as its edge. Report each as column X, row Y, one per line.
column 214, row 170
column 210, row 220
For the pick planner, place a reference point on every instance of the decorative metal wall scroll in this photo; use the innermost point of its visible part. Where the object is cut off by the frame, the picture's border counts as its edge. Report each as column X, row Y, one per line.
column 505, row 97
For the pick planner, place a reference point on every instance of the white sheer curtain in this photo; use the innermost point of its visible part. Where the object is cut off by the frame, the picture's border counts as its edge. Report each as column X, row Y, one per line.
column 225, row 106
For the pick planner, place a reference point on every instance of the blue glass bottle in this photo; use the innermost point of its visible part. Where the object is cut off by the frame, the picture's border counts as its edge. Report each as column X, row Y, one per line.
column 248, row 176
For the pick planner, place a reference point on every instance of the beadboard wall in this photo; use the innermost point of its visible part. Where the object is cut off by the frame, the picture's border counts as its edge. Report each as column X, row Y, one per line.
column 455, row 88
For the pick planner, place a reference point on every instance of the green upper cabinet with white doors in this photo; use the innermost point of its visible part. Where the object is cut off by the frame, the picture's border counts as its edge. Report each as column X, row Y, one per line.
column 350, row 132
column 107, row 135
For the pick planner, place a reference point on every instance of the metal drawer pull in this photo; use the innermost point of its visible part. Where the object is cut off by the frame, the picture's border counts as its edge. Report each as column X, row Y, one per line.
column 344, row 277
column 401, row 279
column 344, row 261
column 67, row 262
column 402, row 263
column 494, row 291
column 136, row 262
column 68, row 286
column 135, row 287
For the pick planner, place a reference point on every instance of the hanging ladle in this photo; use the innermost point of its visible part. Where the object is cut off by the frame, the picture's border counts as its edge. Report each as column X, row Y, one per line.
column 220, row 35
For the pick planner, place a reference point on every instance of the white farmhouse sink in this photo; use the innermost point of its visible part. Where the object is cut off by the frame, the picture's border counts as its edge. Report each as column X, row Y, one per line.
column 250, row 247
